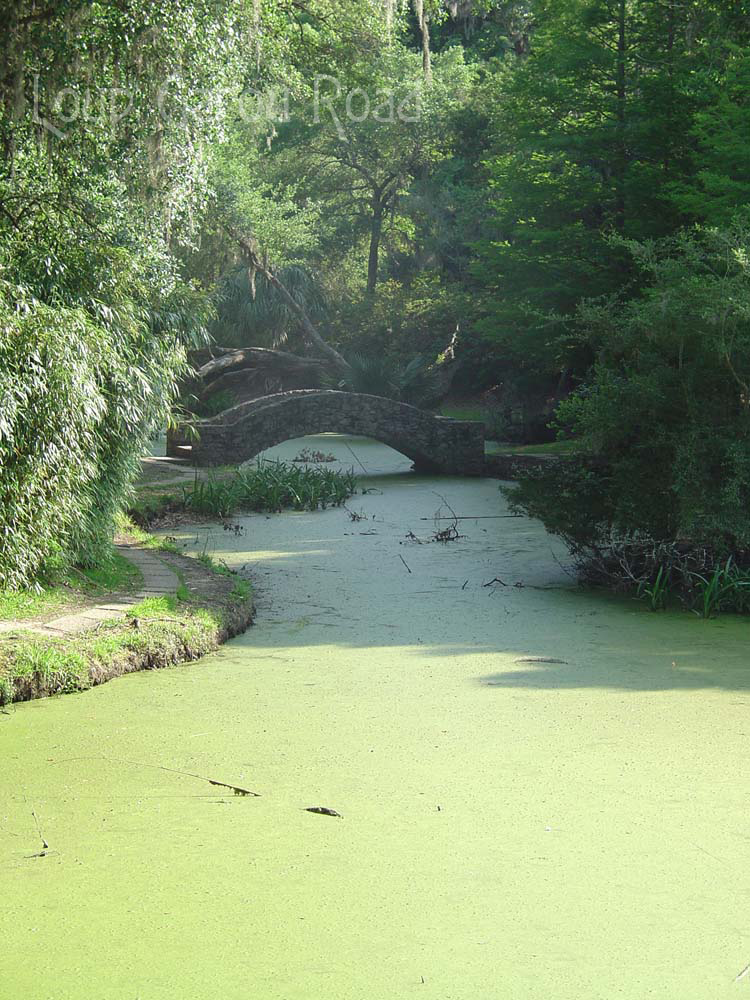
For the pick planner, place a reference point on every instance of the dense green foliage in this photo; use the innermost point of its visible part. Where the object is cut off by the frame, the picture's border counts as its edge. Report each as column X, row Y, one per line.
column 520, row 179
column 78, row 401
column 663, row 420
column 379, row 375
column 95, row 315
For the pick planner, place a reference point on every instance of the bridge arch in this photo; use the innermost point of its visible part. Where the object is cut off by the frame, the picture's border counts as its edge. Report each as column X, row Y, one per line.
column 434, row 444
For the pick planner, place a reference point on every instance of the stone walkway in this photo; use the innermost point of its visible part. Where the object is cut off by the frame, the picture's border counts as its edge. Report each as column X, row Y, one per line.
column 158, row 581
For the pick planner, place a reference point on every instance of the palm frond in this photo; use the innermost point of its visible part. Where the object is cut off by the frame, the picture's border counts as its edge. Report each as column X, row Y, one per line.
column 252, row 314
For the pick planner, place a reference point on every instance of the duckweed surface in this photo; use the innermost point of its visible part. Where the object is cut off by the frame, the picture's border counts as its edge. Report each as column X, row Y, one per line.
column 541, row 792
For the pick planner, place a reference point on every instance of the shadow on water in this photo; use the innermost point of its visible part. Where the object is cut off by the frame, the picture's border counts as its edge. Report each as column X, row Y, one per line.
column 681, row 676
column 538, row 639
column 497, row 603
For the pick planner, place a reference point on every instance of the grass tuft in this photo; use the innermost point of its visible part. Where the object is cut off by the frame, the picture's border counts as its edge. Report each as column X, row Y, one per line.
column 270, row 486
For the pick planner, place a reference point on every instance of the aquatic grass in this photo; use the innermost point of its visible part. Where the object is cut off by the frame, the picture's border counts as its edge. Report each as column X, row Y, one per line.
column 706, row 592
column 726, row 588
column 270, row 486
column 656, row 592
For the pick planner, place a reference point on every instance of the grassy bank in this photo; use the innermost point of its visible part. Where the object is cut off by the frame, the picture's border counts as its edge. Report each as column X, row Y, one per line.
column 210, row 606
column 70, row 591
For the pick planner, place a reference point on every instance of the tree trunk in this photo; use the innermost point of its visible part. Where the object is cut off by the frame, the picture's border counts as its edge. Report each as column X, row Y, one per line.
column 239, row 367
column 388, row 4
column 670, row 99
column 310, row 334
column 621, row 84
column 376, row 232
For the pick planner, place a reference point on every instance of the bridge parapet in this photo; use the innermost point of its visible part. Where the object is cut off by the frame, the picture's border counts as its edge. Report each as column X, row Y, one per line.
column 434, row 444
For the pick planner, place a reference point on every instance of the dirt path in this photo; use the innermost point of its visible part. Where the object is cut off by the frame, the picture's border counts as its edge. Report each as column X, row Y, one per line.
column 158, row 581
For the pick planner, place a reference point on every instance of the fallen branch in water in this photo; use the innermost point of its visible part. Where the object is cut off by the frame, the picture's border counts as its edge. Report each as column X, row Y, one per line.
column 323, row 811
column 354, row 515
column 357, row 459
column 468, row 517
column 237, row 789
column 449, row 534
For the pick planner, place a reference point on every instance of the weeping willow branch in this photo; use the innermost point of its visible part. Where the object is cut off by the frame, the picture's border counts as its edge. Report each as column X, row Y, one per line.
column 424, row 28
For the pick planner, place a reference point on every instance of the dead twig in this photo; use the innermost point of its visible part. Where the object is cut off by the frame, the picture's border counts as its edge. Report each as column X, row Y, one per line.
column 45, row 845
column 451, row 533
column 404, row 562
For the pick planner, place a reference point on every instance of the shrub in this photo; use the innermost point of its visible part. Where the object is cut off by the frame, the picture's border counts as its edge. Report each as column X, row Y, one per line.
column 663, row 422
column 216, row 403
column 78, row 400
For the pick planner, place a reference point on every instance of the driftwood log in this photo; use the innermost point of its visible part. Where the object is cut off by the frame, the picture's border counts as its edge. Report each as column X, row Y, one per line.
column 250, row 368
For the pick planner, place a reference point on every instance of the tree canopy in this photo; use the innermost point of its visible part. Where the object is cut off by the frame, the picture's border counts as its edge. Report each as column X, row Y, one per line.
column 361, row 184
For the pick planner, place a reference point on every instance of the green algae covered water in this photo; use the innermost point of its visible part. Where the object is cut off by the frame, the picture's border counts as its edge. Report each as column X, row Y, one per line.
column 543, row 794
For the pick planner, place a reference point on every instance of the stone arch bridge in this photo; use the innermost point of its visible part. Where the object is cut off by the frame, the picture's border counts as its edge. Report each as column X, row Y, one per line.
column 434, row 444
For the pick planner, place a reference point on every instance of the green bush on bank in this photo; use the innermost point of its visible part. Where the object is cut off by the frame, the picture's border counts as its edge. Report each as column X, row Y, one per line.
column 661, row 482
